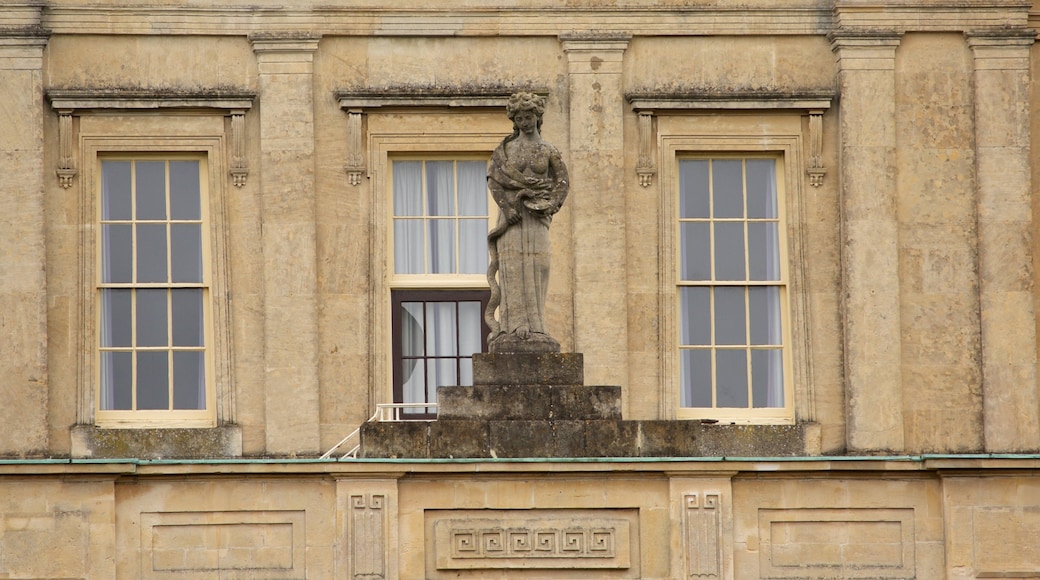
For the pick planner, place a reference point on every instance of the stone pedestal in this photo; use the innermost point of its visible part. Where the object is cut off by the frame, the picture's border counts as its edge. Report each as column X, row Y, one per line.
column 536, row 405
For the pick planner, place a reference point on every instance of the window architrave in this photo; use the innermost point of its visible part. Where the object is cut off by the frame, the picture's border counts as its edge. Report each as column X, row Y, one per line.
column 675, row 142
column 147, row 135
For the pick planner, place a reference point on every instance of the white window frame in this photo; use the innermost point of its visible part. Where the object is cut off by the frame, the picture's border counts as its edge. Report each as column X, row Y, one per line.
column 385, row 147
column 797, row 386
column 184, row 417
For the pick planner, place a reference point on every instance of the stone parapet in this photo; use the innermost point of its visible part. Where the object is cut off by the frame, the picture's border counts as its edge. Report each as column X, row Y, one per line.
column 528, row 402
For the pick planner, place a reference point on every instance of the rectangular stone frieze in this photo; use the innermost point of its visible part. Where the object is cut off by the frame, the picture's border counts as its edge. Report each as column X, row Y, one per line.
column 231, row 544
column 837, row 543
column 532, row 539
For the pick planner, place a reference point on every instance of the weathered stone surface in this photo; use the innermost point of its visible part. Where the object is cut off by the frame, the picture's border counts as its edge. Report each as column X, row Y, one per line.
column 458, row 439
column 90, row 441
column 521, row 438
column 528, row 402
column 404, row 439
column 528, row 369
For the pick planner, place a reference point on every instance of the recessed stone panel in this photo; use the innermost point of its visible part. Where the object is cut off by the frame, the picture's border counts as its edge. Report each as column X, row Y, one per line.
column 239, row 544
column 837, row 543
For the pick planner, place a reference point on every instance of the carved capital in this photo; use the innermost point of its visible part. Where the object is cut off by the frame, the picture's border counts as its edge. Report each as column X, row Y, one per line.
column 355, row 149
column 239, row 165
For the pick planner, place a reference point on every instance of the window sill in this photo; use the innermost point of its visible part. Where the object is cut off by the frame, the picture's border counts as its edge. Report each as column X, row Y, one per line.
column 168, row 443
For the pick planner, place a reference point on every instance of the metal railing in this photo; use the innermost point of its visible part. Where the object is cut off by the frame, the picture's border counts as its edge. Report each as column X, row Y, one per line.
column 385, row 412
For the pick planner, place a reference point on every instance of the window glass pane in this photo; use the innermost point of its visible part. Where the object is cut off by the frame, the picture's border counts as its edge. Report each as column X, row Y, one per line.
column 470, row 330
column 151, row 190
column 117, row 257
column 189, row 380
column 695, row 250
column 441, row 332
column 151, row 253
column 412, row 338
column 473, row 252
column 441, row 372
column 185, row 195
column 728, row 188
column 731, row 378
column 695, row 313
column 763, row 251
column 413, row 383
column 729, row 315
column 442, row 246
column 115, row 190
column 694, row 197
column 761, row 188
column 153, row 380
column 116, row 320
column 473, row 194
column 764, row 306
column 408, row 247
column 440, row 188
column 729, row 251
column 408, row 188
column 186, row 252
column 767, row 374
column 695, row 378
column 116, row 381
column 466, row 372
column 152, row 318
column 186, row 305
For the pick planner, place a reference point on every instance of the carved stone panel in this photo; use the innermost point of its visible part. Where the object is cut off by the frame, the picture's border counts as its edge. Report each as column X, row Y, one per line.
column 589, row 539
column 368, row 536
column 701, row 524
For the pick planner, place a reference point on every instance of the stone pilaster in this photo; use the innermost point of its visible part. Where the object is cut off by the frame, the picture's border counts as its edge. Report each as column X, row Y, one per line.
column 1008, row 322
column 702, row 534
column 366, row 525
column 287, row 192
column 23, row 284
column 870, row 244
column 597, row 203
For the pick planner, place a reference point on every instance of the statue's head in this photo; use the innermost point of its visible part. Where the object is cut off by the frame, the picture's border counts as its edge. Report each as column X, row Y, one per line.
column 526, row 102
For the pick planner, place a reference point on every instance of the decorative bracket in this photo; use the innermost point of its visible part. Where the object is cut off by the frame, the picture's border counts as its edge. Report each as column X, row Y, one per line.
column 239, row 165
column 645, row 167
column 816, row 170
column 355, row 150
column 66, row 161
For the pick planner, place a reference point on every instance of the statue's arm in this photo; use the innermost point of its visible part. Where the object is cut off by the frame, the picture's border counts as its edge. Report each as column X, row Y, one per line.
column 561, row 179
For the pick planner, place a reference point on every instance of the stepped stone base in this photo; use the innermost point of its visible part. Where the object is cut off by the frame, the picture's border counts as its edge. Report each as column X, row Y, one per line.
column 535, row 405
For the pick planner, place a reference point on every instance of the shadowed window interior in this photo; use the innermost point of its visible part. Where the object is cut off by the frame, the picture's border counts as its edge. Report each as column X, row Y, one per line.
column 153, row 288
column 732, row 287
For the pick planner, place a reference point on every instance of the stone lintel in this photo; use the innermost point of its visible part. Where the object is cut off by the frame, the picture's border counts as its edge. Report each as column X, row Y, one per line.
column 549, row 368
column 528, row 402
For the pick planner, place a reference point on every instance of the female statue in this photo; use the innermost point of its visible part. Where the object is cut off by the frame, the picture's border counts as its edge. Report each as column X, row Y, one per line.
column 528, row 181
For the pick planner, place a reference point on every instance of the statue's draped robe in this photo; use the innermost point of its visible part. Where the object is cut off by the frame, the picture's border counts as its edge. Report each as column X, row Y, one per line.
column 523, row 247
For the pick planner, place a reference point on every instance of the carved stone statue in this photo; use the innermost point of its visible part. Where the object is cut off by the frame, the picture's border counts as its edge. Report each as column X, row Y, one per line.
column 529, row 182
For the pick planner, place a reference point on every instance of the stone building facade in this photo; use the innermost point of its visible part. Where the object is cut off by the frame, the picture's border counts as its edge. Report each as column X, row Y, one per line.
column 799, row 238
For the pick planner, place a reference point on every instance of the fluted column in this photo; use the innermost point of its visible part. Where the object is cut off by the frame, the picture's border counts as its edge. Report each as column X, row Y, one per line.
column 597, row 203
column 23, row 284
column 287, row 192
column 1009, row 387
column 870, row 248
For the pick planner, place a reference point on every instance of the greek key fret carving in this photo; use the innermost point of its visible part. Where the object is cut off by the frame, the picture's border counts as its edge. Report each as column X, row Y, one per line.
column 701, row 523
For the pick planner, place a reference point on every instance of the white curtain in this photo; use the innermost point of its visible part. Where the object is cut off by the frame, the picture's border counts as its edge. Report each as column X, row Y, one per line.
column 441, row 341
column 440, row 203
column 413, row 383
column 408, row 233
